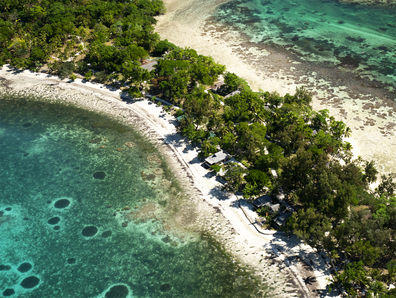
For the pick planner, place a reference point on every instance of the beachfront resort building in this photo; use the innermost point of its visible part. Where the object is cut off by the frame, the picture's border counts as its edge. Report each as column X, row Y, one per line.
column 284, row 210
column 216, row 158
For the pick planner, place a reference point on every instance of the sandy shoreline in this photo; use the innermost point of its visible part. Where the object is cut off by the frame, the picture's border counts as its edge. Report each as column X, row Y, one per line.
column 369, row 112
column 284, row 262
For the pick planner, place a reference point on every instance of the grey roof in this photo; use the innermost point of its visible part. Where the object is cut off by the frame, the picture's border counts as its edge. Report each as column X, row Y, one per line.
column 274, row 207
column 232, row 94
column 261, row 201
column 216, row 158
column 150, row 66
column 282, row 219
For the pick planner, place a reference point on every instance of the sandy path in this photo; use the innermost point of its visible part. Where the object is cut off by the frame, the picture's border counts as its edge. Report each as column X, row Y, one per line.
column 290, row 266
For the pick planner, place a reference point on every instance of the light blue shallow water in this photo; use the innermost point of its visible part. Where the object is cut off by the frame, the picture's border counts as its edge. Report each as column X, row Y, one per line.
column 55, row 215
column 357, row 37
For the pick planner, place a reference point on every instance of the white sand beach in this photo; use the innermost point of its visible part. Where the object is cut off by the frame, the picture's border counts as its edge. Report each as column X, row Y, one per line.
column 371, row 118
column 291, row 267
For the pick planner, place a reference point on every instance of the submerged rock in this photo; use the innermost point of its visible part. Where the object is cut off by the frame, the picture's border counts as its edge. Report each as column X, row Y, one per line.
column 25, row 267
column 5, row 267
column 30, row 282
column 154, row 158
column 165, row 288
column 54, row 220
column 8, row 292
column 96, row 141
column 166, row 239
column 63, row 203
column 150, row 177
column 107, row 234
column 89, row 231
column 99, row 175
column 158, row 171
column 119, row 291
column 130, row 144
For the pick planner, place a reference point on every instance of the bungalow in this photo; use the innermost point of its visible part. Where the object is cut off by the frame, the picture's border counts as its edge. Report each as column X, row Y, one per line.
column 282, row 219
column 232, row 94
column 216, row 158
column 217, row 86
column 261, row 201
column 266, row 201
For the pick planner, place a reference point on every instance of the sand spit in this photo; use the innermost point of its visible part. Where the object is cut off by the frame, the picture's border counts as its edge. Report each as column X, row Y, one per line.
column 289, row 267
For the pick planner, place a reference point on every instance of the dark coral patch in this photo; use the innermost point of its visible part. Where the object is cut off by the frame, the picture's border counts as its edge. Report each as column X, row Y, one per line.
column 119, row 291
column 5, row 267
column 150, row 177
column 89, row 231
column 99, row 175
column 8, row 209
column 96, row 141
column 30, row 282
column 63, row 203
column 166, row 239
column 8, row 292
column 165, row 288
column 25, row 267
column 57, row 228
column 106, row 234
column 27, row 124
column 71, row 261
column 54, row 220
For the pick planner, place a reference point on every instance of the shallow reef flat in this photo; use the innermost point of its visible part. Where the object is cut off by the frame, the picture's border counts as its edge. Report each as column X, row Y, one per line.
column 391, row 3
column 269, row 44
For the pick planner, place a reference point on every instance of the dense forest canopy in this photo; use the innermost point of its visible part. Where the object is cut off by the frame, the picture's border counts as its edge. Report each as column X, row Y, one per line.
column 109, row 33
column 280, row 143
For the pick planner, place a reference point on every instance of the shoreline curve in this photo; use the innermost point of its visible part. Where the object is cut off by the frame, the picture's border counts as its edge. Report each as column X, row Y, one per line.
column 288, row 254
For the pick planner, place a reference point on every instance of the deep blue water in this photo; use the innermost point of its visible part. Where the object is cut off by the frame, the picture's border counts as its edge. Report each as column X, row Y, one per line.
column 60, row 232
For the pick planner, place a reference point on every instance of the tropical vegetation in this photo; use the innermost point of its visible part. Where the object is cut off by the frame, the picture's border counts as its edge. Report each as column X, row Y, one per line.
column 280, row 144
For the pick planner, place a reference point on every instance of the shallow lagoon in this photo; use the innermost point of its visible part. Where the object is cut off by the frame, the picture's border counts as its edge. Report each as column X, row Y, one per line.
column 63, row 230
column 356, row 37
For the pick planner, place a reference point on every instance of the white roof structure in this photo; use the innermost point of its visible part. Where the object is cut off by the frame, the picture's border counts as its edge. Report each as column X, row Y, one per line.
column 216, row 158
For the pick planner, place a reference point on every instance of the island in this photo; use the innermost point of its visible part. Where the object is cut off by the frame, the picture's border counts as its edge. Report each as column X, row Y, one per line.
column 270, row 152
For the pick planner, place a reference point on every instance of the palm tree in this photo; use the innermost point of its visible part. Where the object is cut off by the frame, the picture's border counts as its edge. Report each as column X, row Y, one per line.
column 377, row 289
column 348, row 132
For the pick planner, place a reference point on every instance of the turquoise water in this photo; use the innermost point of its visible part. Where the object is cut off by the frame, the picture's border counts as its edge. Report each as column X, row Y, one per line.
column 62, row 228
column 355, row 37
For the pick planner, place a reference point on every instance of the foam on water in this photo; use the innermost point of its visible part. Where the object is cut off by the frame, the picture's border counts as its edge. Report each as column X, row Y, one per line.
column 88, row 235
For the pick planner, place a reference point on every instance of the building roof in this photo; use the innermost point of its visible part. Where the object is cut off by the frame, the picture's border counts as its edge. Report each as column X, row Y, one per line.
column 216, row 158
column 282, row 219
column 274, row 207
column 261, row 201
column 232, row 94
